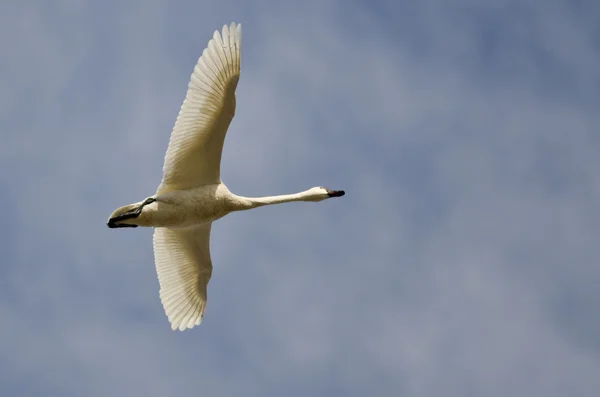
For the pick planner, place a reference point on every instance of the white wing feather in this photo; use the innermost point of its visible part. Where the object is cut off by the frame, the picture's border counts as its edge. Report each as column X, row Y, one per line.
column 194, row 154
column 184, row 268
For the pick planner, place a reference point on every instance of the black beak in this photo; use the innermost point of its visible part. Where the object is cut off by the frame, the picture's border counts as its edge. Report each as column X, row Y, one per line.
column 111, row 224
column 134, row 213
column 335, row 193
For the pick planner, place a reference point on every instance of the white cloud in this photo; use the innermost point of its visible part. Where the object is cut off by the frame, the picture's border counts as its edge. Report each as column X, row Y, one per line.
column 461, row 261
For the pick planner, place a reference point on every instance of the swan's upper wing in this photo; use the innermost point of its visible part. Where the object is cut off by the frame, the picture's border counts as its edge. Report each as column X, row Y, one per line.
column 194, row 154
column 184, row 268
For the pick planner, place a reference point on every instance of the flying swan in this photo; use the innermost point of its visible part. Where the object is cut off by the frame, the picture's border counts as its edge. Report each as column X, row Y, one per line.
column 191, row 195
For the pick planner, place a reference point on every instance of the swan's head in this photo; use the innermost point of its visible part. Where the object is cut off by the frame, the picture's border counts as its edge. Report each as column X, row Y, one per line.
column 123, row 217
column 321, row 193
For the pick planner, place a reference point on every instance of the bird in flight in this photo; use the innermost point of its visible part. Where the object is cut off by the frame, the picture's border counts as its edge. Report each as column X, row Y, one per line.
column 191, row 195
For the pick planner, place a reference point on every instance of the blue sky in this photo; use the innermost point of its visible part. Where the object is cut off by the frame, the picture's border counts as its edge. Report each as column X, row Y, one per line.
column 463, row 260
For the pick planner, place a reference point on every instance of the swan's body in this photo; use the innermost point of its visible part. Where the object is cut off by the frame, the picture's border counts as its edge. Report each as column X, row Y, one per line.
column 191, row 195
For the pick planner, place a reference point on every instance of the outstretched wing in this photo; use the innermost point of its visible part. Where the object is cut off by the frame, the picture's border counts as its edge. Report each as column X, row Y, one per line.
column 184, row 268
column 194, row 154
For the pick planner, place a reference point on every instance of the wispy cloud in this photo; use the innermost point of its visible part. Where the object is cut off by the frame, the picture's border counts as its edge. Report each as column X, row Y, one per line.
column 462, row 260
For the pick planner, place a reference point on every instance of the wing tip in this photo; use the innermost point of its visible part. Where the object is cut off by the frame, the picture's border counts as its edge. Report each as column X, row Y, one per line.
column 227, row 30
column 189, row 321
column 182, row 326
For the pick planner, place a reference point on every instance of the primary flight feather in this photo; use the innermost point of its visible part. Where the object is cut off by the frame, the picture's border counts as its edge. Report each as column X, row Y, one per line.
column 191, row 195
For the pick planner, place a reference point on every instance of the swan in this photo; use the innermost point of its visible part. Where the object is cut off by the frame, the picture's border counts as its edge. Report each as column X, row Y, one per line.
column 191, row 194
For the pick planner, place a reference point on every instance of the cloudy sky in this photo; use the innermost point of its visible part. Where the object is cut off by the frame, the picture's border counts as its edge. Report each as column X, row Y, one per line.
column 464, row 259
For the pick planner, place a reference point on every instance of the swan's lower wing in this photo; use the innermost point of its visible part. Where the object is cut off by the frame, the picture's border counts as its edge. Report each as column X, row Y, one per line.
column 193, row 157
column 184, row 268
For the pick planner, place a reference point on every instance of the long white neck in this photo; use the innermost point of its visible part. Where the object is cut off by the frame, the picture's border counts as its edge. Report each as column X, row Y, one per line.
column 246, row 203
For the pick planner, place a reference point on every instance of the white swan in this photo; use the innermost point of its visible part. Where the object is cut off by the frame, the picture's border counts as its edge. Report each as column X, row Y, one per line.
column 191, row 195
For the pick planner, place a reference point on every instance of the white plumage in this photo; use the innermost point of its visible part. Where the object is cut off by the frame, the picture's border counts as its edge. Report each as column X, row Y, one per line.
column 191, row 195
column 194, row 154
